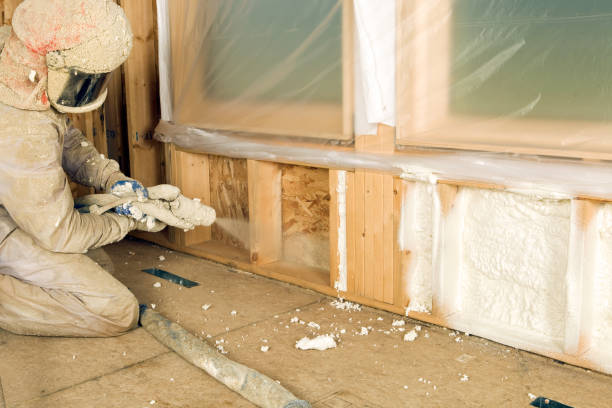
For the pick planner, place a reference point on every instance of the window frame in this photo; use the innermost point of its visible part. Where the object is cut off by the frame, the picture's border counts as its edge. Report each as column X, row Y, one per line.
column 299, row 119
column 423, row 42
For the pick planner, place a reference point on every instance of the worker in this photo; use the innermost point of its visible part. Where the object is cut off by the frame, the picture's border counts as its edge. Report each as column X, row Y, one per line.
column 57, row 58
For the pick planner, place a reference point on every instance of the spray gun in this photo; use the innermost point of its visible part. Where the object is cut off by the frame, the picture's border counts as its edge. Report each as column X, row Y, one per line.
column 164, row 203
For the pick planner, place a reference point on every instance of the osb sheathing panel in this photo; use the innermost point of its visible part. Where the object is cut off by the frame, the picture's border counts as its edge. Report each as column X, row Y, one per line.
column 229, row 196
column 305, row 214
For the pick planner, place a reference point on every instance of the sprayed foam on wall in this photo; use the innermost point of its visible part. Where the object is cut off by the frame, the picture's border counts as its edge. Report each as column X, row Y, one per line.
column 602, row 332
column 527, row 271
column 341, row 283
column 514, row 261
column 416, row 229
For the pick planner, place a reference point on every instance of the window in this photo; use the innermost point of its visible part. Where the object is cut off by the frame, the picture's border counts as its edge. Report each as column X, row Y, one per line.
column 522, row 76
column 280, row 67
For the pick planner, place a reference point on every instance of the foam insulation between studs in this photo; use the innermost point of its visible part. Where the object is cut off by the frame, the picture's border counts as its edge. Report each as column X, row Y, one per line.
column 602, row 296
column 415, row 235
column 514, row 261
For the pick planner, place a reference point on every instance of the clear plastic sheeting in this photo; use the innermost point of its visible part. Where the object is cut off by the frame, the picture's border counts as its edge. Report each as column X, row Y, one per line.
column 491, row 75
column 374, row 65
column 268, row 66
column 530, row 176
column 523, row 76
column 512, row 76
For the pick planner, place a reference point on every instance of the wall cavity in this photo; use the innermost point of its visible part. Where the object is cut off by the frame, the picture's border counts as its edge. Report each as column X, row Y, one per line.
column 602, row 294
column 415, row 235
column 341, row 282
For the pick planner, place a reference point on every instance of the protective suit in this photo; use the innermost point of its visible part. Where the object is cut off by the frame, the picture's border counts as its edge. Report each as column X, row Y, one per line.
column 56, row 58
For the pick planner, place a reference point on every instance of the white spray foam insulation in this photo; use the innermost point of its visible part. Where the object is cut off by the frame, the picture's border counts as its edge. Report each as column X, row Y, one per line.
column 341, row 283
column 321, row 343
column 448, row 220
column 415, row 235
column 514, row 262
column 602, row 295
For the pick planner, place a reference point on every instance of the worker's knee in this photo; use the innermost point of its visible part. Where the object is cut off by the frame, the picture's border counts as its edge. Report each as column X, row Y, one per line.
column 120, row 315
column 114, row 309
column 110, row 312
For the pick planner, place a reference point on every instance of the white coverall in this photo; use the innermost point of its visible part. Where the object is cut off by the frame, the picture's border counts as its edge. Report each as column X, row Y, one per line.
column 47, row 285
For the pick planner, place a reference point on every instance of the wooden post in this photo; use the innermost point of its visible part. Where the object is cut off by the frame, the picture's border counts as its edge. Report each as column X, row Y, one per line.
column 445, row 250
column 581, row 267
column 142, row 93
column 359, row 232
column 348, row 68
column 423, row 52
column 374, row 272
column 115, row 121
column 265, row 216
column 190, row 173
column 401, row 256
column 99, row 131
column 382, row 142
column 95, row 130
column 351, row 235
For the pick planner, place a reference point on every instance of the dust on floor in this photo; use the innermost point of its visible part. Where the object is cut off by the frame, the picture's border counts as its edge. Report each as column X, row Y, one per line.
column 258, row 321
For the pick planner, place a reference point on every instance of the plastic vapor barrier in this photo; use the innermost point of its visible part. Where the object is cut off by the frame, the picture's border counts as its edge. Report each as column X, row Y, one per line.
column 273, row 66
column 521, row 75
column 481, row 75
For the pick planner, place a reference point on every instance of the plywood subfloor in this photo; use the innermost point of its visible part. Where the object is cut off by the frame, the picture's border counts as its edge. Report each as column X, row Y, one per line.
column 376, row 370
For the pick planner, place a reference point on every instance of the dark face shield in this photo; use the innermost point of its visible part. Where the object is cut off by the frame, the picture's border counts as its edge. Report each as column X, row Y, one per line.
column 82, row 88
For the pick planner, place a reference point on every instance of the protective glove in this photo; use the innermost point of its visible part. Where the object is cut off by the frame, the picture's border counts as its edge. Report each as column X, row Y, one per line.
column 158, row 205
column 148, row 224
column 165, row 204
column 161, row 211
column 126, row 187
column 164, row 192
column 182, row 212
column 155, row 203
